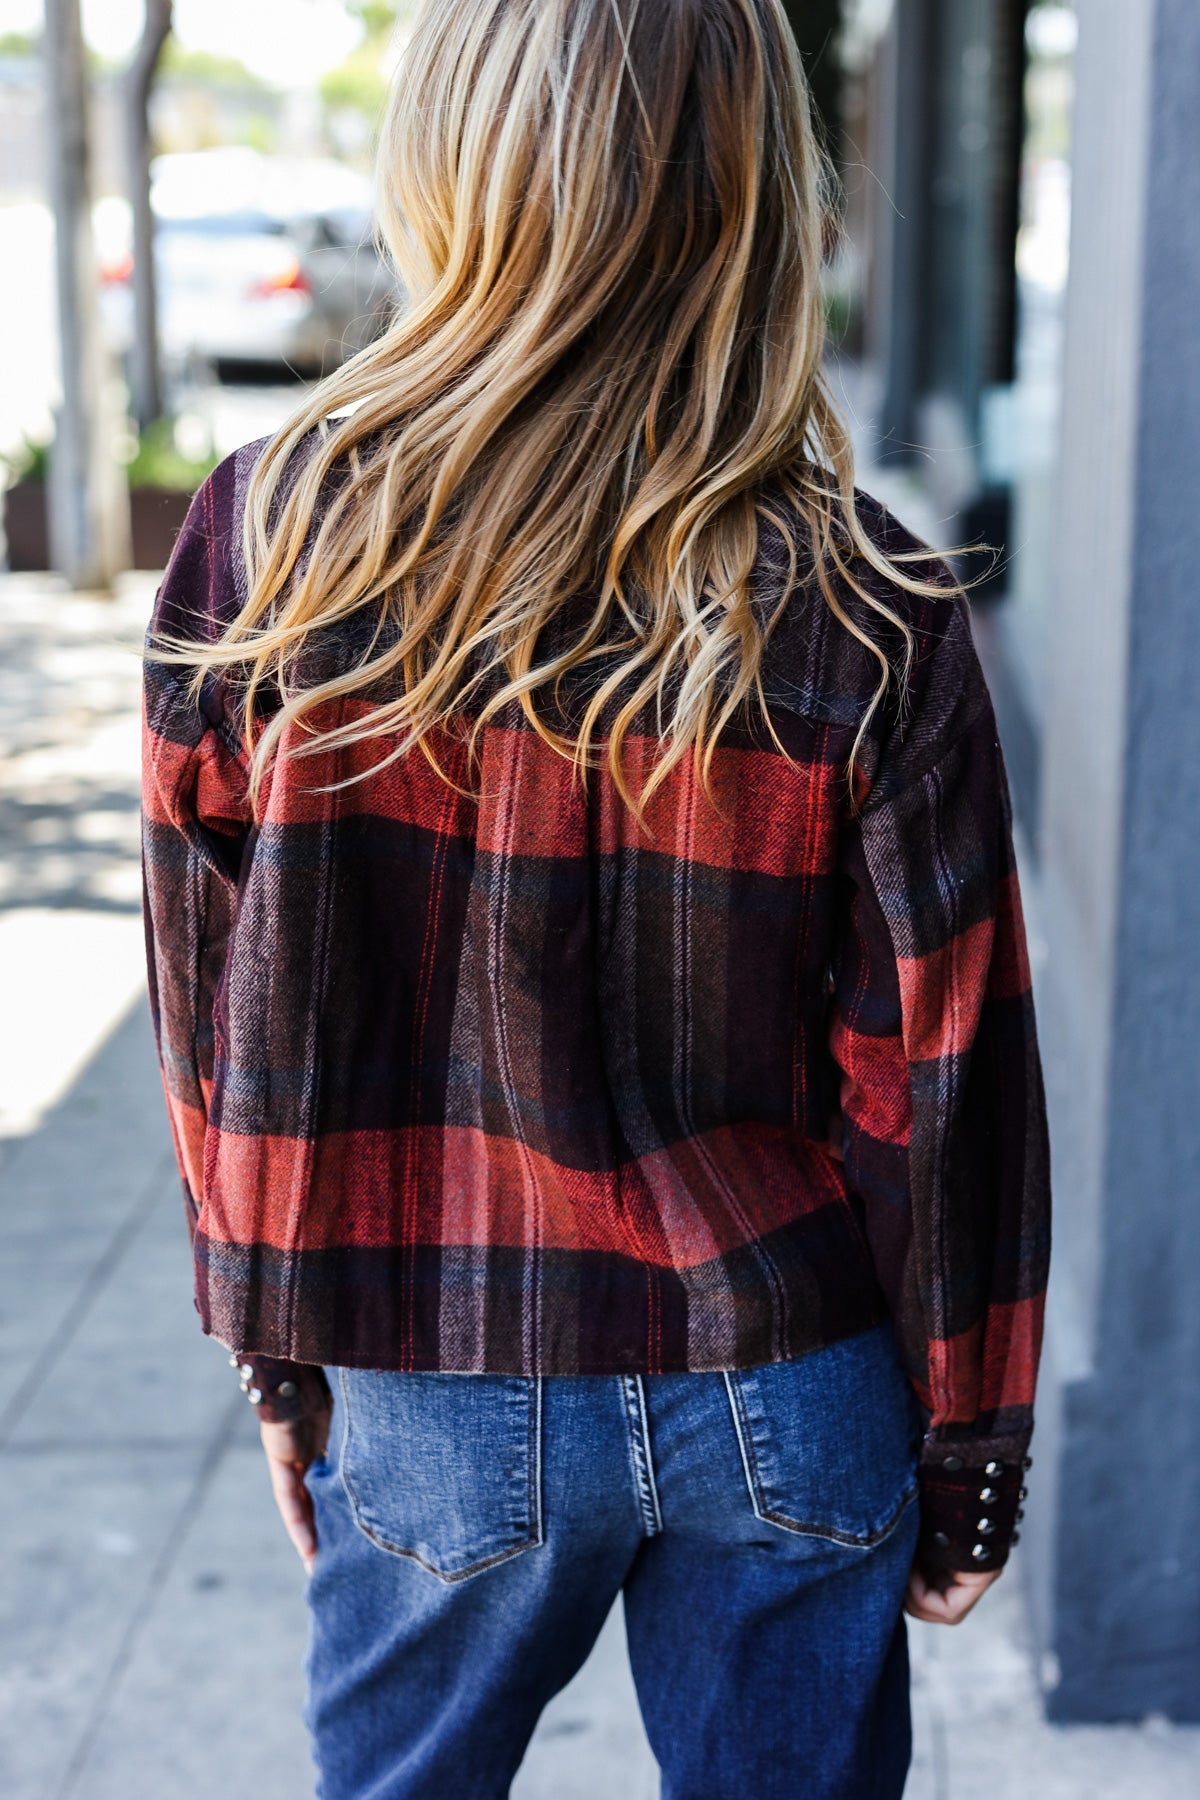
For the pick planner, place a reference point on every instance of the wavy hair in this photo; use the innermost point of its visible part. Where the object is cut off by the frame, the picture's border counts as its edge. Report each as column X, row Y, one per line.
column 607, row 216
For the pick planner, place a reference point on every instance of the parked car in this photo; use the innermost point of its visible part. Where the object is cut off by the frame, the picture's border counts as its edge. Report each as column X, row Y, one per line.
column 259, row 260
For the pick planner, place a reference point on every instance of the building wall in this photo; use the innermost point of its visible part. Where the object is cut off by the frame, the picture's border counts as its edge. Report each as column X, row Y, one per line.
column 1108, row 786
column 1121, row 887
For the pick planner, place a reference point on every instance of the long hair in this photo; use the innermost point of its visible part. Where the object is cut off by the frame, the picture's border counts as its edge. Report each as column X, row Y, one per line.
column 607, row 216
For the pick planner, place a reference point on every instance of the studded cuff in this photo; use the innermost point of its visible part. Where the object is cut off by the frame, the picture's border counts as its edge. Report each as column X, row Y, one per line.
column 971, row 1493
column 281, row 1392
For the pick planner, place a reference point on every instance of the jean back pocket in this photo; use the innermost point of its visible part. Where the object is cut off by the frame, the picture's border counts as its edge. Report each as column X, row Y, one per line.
column 830, row 1440
column 443, row 1468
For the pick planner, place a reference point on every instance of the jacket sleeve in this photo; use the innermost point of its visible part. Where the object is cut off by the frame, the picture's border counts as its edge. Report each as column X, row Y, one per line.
column 944, row 1127
column 196, row 819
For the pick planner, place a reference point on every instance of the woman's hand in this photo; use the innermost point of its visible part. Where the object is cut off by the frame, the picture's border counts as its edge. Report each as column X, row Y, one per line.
column 948, row 1604
column 290, row 1449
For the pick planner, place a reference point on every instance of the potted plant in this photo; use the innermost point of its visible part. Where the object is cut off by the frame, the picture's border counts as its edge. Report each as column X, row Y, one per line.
column 162, row 478
column 26, row 532
column 163, row 473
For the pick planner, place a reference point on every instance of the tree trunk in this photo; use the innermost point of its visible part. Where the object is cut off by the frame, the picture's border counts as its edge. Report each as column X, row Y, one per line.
column 84, row 498
column 139, row 79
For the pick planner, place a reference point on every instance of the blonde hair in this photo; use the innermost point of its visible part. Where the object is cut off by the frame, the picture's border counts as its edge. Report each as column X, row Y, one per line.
column 607, row 218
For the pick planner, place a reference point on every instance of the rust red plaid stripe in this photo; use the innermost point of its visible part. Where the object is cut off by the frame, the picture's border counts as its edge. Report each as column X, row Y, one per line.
column 502, row 1081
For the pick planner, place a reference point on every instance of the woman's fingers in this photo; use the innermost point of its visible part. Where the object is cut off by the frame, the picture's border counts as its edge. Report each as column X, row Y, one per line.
column 949, row 1605
column 289, row 1450
column 295, row 1507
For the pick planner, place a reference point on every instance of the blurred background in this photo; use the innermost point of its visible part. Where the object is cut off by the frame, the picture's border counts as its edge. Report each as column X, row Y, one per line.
column 1014, row 311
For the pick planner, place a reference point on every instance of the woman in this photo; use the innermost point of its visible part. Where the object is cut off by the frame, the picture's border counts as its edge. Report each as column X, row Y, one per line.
column 587, row 955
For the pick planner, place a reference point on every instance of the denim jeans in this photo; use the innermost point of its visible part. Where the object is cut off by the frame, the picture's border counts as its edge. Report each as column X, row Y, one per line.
column 474, row 1531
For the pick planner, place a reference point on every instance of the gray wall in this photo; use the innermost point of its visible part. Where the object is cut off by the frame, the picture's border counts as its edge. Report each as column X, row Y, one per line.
column 1114, row 1528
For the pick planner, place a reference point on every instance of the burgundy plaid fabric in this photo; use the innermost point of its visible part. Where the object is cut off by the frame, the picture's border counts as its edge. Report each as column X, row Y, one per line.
column 495, row 1080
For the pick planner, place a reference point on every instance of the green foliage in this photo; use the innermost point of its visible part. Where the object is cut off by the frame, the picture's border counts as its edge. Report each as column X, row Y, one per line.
column 259, row 131
column 20, row 43
column 358, row 83
column 839, row 317
column 207, row 70
column 158, row 463
column 30, row 461
column 377, row 15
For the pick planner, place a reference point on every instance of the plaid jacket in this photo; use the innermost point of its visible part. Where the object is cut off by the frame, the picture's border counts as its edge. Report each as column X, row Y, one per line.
column 498, row 1081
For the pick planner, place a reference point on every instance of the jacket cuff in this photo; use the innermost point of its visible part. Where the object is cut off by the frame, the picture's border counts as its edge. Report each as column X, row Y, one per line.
column 281, row 1392
column 971, row 1493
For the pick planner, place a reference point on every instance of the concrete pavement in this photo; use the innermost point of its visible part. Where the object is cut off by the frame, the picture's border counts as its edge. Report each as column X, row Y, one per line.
column 151, row 1612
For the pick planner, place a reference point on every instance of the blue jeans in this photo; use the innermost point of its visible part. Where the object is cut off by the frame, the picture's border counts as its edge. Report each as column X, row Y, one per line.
column 474, row 1531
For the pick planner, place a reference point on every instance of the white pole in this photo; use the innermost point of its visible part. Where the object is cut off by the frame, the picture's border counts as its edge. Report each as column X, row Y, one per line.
column 85, row 529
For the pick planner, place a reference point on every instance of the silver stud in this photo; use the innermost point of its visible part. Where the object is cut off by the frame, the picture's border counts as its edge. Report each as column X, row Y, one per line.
column 254, row 1396
column 952, row 1463
column 1027, row 1462
column 287, row 1390
column 989, row 1495
column 1020, row 1513
column 984, row 1527
column 1015, row 1538
column 993, row 1469
column 1022, row 1493
column 248, row 1371
column 234, row 1360
column 981, row 1552
column 942, row 1540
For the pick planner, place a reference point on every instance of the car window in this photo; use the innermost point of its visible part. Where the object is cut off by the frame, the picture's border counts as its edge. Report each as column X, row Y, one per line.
column 230, row 224
column 345, row 228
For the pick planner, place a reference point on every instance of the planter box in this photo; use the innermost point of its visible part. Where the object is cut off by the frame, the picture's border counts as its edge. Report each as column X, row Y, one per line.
column 25, row 527
column 156, row 515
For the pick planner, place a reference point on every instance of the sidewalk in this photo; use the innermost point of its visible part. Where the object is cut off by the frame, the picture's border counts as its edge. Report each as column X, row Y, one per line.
column 151, row 1612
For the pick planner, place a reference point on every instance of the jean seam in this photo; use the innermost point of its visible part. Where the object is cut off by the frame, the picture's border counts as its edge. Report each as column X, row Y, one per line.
column 637, row 1433
column 800, row 1528
column 535, row 1461
column 451, row 1576
column 343, row 1442
column 533, row 1501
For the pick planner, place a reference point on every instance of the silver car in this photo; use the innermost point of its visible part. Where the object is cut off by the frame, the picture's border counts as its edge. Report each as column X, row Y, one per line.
column 260, row 260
